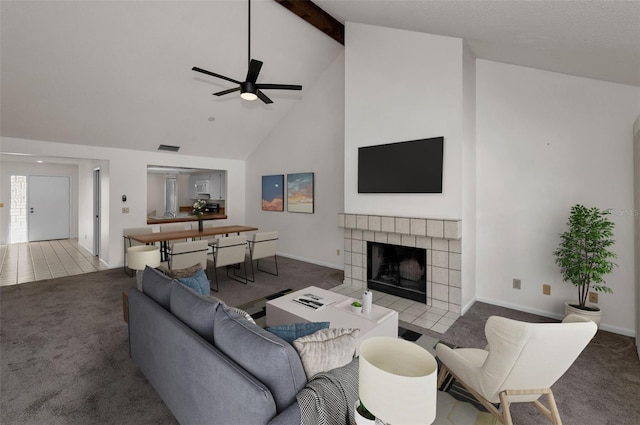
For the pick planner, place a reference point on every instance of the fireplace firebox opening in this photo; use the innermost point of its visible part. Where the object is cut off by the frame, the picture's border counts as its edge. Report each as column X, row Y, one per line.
column 397, row 270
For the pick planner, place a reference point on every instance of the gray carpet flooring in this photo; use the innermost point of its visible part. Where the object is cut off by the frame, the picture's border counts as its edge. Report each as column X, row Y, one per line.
column 64, row 354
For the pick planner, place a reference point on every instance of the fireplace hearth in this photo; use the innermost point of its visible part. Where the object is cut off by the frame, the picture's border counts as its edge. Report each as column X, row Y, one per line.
column 397, row 270
column 442, row 240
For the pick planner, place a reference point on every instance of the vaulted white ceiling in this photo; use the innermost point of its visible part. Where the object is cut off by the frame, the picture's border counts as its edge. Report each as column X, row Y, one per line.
column 118, row 73
column 596, row 39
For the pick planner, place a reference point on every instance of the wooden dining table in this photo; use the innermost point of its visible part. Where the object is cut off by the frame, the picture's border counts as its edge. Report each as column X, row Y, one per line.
column 165, row 237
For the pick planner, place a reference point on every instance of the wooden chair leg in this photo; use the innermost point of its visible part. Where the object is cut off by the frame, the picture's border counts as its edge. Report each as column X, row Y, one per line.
column 504, row 406
column 555, row 414
column 444, row 372
column 504, row 414
column 551, row 413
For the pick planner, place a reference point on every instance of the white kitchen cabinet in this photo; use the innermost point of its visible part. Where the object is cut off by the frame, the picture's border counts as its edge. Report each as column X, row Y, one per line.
column 217, row 185
column 203, row 184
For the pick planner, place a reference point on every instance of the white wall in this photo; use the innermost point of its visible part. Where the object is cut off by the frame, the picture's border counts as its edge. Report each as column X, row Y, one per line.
column 86, row 168
column 309, row 139
column 10, row 168
column 399, row 86
column 155, row 193
column 126, row 174
column 468, row 289
column 546, row 141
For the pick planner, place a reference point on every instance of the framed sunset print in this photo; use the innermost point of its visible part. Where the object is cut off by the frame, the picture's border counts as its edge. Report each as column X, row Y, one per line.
column 300, row 193
column 273, row 193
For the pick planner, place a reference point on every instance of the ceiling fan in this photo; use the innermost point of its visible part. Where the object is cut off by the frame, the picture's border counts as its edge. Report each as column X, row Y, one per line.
column 250, row 89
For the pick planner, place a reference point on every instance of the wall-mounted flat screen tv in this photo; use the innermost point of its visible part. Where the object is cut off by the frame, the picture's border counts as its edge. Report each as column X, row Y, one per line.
column 404, row 167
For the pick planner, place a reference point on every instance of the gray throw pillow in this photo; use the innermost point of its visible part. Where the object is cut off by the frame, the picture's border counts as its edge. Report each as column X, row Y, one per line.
column 157, row 286
column 195, row 310
column 326, row 349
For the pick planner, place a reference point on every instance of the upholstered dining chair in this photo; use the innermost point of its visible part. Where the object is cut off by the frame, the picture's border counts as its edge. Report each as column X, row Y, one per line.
column 520, row 364
column 187, row 254
column 230, row 251
column 128, row 242
column 174, row 227
column 210, row 239
column 263, row 245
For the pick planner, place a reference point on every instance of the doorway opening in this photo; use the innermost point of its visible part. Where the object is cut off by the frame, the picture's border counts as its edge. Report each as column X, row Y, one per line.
column 96, row 212
column 18, row 210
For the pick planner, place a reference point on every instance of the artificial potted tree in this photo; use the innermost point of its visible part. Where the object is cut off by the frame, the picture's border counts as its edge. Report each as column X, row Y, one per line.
column 584, row 256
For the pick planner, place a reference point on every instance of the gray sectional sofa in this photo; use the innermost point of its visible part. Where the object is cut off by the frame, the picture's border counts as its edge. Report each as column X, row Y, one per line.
column 208, row 363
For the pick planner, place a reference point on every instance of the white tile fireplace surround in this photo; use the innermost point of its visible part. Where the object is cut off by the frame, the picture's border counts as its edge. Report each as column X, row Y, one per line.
column 443, row 241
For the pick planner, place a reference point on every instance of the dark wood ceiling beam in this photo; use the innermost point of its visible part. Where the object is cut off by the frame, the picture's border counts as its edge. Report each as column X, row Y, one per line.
column 317, row 17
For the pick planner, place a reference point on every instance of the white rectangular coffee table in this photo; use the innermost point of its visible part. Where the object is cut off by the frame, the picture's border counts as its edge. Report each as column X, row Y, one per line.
column 380, row 322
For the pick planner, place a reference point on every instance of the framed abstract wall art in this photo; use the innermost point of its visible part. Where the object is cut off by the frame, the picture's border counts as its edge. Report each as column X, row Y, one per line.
column 300, row 193
column 273, row 193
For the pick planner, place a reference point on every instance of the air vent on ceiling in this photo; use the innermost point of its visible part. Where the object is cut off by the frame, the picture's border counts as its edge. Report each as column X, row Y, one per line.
column 168, row 148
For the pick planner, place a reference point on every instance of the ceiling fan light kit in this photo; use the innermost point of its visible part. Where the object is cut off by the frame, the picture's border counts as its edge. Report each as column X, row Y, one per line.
column 249, row 89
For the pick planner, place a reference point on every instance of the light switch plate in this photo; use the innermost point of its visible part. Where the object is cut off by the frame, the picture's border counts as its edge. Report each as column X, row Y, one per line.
column 125, row 210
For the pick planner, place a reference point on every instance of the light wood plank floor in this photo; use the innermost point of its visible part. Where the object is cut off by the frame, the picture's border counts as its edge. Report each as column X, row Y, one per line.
column 30, row 261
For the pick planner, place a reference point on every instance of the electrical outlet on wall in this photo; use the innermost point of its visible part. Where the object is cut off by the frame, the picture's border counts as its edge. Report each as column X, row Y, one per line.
column 516, row 283
column 546, row 289
column 593, row 297
column 337, row 251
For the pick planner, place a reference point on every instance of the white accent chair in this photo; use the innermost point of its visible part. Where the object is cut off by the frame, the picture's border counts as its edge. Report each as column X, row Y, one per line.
column 520, row 364
column 263, row 245
column 187, row 254
column 230, row 252
column 128, row 242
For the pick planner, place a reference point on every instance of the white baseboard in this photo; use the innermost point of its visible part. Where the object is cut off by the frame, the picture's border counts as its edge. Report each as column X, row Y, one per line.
column 468, row 305
column 308, row 260
column 603, row 326
column 90, row 250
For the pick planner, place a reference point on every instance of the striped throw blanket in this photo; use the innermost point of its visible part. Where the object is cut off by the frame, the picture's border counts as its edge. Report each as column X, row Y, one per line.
column 329, row 398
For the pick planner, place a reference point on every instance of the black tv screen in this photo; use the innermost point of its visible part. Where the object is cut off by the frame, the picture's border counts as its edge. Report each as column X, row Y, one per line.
column 405, row 167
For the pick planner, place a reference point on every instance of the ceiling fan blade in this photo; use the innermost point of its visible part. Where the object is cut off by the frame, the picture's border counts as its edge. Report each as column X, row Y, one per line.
column 254, row 70
column 223, row 92
column 204, row 71
column 279, row 86
column 263, row 97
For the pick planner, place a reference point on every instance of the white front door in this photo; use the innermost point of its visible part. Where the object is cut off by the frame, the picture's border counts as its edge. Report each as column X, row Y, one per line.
column 49, row 207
